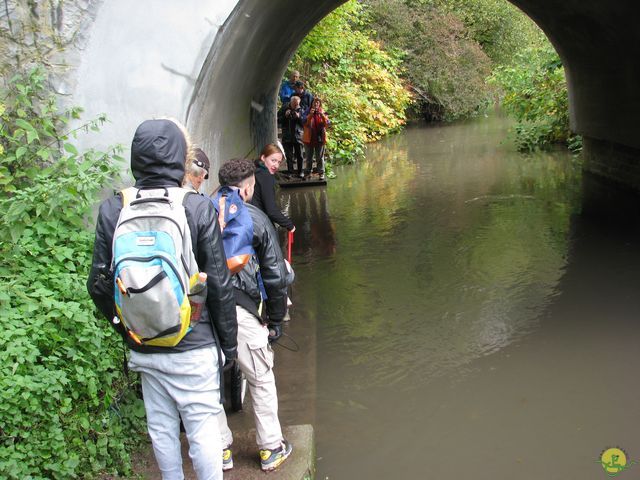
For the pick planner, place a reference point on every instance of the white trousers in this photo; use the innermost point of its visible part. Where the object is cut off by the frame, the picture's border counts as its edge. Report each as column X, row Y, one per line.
column 255, row 358
column 186, row 385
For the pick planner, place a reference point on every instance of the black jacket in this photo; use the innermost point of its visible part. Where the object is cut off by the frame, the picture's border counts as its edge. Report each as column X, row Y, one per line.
column 292, row 126
column 306, row 100
column 264, row 197
column 158, row 153
column 270, row 263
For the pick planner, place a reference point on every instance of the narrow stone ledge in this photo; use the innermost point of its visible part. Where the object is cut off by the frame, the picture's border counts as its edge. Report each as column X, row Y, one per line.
column 299, row 466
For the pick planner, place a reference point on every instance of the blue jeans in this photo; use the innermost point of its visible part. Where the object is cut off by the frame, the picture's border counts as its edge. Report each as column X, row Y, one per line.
column 182, row 385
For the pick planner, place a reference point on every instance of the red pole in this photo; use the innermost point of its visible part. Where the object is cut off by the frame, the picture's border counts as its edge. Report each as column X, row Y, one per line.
column 289, row 243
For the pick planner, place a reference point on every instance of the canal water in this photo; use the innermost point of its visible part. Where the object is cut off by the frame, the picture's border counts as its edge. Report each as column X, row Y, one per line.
column 457, row 316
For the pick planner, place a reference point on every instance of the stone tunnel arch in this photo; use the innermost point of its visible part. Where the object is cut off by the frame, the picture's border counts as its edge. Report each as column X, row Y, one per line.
column 232, row 108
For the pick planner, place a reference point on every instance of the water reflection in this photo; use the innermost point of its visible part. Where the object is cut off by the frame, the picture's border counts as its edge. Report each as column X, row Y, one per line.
column 439, row 254
column 445, row 246
column 315, row 230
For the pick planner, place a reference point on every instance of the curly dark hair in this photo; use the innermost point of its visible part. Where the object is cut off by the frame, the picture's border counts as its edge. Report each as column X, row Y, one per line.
column 234, row 171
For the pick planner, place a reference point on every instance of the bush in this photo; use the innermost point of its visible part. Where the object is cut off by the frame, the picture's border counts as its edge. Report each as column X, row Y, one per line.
column 442, row 63
column 535, row 93
column 66, row 409
column 497, row 26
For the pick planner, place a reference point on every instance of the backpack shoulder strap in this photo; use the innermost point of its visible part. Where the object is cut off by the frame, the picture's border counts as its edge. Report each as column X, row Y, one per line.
column 177, row 194
column 127, row 195
column 180, row 194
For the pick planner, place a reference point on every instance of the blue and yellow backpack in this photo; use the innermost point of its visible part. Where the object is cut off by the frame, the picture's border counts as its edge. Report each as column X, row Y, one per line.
column 154, row 266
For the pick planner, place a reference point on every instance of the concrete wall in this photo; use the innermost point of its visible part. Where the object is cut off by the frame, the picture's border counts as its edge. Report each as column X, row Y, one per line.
column 54, row 32
column 142, row 59
column 612, row 161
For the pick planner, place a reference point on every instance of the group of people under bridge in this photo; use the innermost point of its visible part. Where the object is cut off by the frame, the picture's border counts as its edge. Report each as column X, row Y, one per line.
column 304, row 126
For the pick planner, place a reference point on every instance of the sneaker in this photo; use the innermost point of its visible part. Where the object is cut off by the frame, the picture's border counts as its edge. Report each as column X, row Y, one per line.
column 322, row 176
column 227, row 459
column 301, row 176
column 272, row 459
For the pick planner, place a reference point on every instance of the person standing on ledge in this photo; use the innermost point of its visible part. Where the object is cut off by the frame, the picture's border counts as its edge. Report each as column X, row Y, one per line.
column 264, row 196
column 181, row 381
column 290, row 116
column 315, row 137
column 255, row 355
column 288, row 87
column 197, row 171
column 306, row 98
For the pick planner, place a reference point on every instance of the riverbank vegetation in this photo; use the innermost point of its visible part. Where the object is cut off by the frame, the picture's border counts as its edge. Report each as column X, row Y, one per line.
column 67, row 410
column 535, row 93
column 377, row 62
column 359, row 82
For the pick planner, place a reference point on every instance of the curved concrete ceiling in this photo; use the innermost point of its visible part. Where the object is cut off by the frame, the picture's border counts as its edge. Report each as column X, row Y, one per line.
column 232, row 111
column 233, row 106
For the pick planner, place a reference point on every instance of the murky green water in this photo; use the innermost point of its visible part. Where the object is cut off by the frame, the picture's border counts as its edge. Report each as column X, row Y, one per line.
column 457, row 317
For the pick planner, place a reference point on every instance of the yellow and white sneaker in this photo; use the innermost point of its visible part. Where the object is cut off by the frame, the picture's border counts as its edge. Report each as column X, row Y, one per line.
column 272, row 459
column 227, row 459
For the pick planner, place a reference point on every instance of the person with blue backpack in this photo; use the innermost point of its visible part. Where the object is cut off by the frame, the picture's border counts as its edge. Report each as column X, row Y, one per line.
column 260, row 279
column 156, row 245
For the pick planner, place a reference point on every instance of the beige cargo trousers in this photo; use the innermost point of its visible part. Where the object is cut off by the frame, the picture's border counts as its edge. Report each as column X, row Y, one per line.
column 255, row 358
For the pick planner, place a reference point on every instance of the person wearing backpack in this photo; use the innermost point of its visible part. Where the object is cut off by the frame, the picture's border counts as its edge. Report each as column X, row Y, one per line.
column 266, row 266
column 140, row 287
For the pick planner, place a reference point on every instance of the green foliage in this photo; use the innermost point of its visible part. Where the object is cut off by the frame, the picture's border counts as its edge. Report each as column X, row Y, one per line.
column 358, row 82
column 444, row 50
column 444, row 65
column 497, row 26
column 535, row 93
column 66, row 409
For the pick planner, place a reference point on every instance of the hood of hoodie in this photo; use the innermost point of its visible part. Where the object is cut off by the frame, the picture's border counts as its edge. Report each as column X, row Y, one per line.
column 158, row 154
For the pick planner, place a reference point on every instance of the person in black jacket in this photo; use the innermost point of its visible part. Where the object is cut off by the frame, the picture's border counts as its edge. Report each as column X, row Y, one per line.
column 255, row 355
column 197, row 171
column 264, row 196
column 306, row 98
column 291, row 118
column 181, row 381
